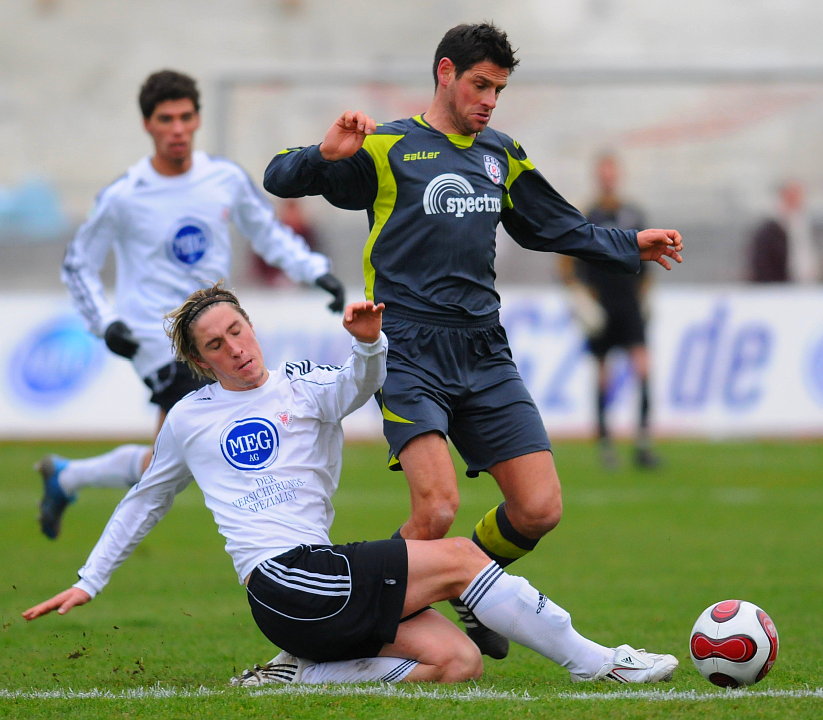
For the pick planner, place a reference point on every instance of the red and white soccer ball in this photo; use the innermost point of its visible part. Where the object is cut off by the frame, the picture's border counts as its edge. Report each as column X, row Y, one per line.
column 733, row 643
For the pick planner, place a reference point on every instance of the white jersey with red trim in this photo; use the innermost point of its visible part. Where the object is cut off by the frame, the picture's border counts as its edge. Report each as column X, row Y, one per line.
column 170, row 236
column 267, row 461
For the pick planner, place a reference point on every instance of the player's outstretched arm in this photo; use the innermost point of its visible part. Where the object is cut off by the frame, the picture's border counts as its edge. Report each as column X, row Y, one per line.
column 345, row 137
column 657, row 245
column 363, row 320
column 62, row 602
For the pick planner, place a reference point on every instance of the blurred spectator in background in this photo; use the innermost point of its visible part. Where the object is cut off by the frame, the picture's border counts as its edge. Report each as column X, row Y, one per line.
column 782, row 247
column 167, row 222
column 611, row 309
column 291, row 213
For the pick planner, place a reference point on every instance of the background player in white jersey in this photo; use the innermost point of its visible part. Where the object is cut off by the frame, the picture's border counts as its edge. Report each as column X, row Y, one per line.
column 265, row 447
column 167, row 221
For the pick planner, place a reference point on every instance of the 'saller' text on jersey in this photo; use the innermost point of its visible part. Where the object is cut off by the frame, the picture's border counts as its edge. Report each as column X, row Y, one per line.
column 421, row 155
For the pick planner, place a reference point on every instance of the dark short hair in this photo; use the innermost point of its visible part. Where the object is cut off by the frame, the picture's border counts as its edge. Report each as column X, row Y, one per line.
column 467, row 45
column 167, row 85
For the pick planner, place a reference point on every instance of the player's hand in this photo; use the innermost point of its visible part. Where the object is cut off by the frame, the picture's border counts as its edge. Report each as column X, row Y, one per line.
column 658, row 245
column 363, row 320
column 120, row 341
column 332, row 285
column 62, row 602
column 346, row 136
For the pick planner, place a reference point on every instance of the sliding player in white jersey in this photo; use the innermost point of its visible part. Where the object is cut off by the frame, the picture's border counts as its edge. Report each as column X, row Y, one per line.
column 265, row 448
column 167, row 220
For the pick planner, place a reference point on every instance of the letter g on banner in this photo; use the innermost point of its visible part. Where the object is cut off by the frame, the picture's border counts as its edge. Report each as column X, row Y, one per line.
column 815, row 369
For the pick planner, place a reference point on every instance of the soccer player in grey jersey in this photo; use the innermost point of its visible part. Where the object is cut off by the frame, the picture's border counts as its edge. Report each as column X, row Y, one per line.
column 436, row 187
column 167, row 220
column 265, row 448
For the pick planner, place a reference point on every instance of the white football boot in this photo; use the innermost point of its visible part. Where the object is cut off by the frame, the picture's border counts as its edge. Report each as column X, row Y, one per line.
column 634, row 666
column 285, row 668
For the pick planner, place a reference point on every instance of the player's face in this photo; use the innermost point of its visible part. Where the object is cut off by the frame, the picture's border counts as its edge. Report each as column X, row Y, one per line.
column 229, row 348
column 172, row 126
column 472, row 97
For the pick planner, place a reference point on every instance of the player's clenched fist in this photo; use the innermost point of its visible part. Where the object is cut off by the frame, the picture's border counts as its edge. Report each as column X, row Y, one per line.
column 345, row 137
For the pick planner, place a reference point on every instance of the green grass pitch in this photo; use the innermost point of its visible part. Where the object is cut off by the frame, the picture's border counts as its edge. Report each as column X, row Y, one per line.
column 638, row 555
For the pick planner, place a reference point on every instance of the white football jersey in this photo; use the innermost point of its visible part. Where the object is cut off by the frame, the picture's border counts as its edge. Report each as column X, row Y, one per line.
column 267, row 461
column 170, row 236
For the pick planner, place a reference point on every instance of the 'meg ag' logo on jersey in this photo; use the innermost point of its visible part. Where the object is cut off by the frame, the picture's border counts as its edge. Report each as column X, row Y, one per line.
column 453, row 194
column 250, row 444
column 190, row 241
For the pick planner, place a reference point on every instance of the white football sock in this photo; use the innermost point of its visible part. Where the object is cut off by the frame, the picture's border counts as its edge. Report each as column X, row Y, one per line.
column 376, row 669
column 510, row 605
column 121, row 467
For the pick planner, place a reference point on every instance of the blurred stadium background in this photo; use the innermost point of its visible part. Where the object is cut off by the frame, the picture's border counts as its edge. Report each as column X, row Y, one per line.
column 709, row 105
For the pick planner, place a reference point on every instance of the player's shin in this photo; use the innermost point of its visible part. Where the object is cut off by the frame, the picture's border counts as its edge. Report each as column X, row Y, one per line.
column 496, row 536
column 511, row 606
column 118, row 468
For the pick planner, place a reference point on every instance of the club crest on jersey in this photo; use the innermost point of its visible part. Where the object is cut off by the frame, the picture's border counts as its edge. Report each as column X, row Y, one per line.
column 284, row 418
column 250, row 444
column 189, row 242
column 493, row 168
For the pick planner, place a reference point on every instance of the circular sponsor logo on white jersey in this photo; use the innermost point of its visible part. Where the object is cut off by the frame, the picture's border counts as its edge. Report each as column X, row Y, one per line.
column 250, row 444
column 190, row 242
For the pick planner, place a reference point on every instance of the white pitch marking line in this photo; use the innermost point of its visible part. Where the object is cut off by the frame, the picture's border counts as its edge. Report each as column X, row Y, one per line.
column 664, row 695
column 414, row 692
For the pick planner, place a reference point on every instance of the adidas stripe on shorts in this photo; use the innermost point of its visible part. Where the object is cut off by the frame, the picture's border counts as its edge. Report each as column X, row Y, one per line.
column 331, row 602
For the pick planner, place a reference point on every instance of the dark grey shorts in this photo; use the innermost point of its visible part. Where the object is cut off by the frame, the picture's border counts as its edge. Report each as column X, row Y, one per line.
column 331, row 602
column 461, row 382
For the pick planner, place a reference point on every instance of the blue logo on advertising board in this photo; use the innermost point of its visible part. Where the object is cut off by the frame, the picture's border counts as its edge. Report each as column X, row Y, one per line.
column 54, row 362
column 190, row 242
column 250, row 444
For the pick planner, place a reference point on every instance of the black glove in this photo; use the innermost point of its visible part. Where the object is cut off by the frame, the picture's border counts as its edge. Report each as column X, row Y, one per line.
column 332, row 285
column 120, row 341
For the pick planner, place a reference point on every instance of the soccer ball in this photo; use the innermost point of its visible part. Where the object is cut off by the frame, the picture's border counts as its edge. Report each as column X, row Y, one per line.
column 733, row 643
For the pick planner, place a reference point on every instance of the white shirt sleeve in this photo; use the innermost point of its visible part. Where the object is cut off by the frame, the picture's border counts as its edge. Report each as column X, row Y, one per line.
column 84, row 261
column 331, row 392
column 137, row 513
column 275, row 242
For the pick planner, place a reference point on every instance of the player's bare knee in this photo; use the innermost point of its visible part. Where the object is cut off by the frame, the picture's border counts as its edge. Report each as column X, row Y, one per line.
column 459, row 662
column 468, row 666
column 536, row 519
column 434, row 520
column 551, row 515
